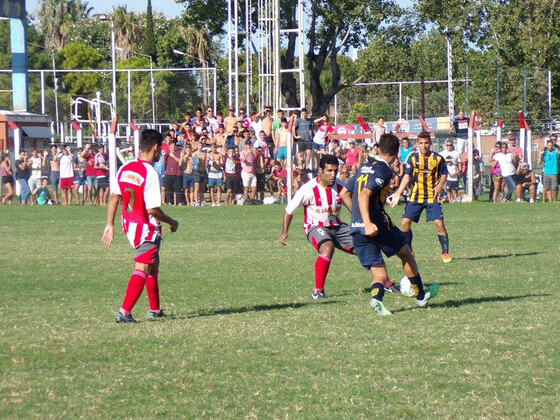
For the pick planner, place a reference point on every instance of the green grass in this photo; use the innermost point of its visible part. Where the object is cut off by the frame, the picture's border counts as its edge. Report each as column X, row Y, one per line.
column 246, row 341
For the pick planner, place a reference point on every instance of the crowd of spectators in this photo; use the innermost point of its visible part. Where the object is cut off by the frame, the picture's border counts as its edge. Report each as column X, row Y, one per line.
column 245, row 156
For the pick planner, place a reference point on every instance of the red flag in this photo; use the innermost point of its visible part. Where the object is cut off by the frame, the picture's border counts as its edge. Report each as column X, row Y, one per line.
column 424, row 125
column 363, row 123
column 76, row 126
column 114, row 126
column 471, row 120
column 13, row 125
column 500, row 123
column 133, row 126
column 521, row 120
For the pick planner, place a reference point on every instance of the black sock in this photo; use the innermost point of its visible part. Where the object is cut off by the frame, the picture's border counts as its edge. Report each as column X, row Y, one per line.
column 444, row 241
column 377, row 291
column 417, row 286
column 408, row 236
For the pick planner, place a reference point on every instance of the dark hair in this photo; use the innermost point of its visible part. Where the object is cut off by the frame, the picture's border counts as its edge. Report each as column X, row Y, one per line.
column 303, row 109
column 389, row 144
column 149, row 138
column 328, row 160
column 424, row 135
column 284, row 120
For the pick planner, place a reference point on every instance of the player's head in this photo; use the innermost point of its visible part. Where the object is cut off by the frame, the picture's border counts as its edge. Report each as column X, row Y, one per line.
column 328, row 169
column 151, row 140
column 424, row 141
column 389, row 147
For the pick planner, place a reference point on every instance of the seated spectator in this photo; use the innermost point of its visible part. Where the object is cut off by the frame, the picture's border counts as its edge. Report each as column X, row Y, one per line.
column 277, row 180
column 42, row 194
column 526, row 181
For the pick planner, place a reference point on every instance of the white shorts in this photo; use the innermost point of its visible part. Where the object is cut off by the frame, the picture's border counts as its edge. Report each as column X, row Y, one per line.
column 249, row 180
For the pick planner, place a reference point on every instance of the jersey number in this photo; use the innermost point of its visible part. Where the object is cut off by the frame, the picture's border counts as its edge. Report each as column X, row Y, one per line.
column 130, row 205
column 362, row 180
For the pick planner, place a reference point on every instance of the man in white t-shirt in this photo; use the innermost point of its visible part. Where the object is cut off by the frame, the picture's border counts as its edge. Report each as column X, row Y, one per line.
column 453, row 163
column 66, row 165
column 322, row 202
column 506, row 160
column 35, row 164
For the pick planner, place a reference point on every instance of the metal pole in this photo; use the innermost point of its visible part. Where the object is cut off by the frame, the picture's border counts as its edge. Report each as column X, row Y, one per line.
column 524, row 90
column 98, row 112
column 497, row 90
column 467, row 88
column 215, row 83
column 128, row 100
column 450, row 92
column 153, row 86
column 400, row 101
column 42, row 92
column 550, row 99
column 55, row 89
column 406, row 109
column 114, row 68
column 335, row 109
column 230, row 96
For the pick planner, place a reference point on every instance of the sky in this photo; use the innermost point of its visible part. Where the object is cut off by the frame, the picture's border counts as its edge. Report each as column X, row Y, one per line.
column 168, row 7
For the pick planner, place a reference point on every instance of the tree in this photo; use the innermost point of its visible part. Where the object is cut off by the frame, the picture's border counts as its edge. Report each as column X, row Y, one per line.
column 78, row 56
column 57, row 16
column 127, row 31
column 149, row 40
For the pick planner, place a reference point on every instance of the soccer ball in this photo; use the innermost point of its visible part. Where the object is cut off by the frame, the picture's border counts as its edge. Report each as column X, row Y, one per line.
column 406, row 287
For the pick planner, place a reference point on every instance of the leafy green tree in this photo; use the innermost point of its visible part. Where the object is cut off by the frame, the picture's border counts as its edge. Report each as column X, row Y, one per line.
column 78, row 56
column 57, row 16
column 149, row 39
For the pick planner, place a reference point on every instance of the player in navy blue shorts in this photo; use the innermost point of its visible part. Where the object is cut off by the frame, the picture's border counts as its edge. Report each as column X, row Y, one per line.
column 428, row 171
column 373, row 231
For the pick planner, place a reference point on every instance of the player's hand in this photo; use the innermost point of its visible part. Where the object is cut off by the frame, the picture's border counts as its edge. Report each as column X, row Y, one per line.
column 394, row 199
column 371, row 229
column 437, row 193
column 108, row 234
column 282, row 239
column 174, row 225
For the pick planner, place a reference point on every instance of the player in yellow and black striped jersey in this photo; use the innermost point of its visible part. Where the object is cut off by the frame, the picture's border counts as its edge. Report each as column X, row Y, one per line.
column 428, row 172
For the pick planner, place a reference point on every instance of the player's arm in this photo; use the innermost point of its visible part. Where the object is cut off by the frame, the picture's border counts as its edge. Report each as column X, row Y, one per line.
column 346, row 198
column 158, row 213
column 108, row 232
column 363, row 202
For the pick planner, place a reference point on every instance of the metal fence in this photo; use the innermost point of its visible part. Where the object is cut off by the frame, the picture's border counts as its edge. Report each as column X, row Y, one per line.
column 174, row 92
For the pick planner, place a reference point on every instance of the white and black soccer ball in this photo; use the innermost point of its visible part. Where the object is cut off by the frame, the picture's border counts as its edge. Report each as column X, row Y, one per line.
column 406, row 287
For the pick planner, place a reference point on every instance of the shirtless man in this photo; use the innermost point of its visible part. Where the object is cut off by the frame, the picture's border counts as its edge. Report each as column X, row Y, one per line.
column 188, row 178
column 215, row 164
column 54, row 176
column 230, row 122
column 281, row 141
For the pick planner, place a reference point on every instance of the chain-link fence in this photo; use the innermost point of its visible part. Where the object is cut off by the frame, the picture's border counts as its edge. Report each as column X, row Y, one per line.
column 174, row 92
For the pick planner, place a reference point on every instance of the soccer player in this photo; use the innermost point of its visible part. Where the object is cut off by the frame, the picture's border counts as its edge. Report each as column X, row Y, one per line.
column 373, row 231
column 428, row 172
column 137, row 183
column 322, row 225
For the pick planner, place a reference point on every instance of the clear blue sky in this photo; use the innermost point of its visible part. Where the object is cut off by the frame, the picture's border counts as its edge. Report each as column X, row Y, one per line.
column 168, row 7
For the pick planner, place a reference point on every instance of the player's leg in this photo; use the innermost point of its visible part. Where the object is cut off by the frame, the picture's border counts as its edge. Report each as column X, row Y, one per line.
column 322, row 240
column 434, row 213
column 152, row 289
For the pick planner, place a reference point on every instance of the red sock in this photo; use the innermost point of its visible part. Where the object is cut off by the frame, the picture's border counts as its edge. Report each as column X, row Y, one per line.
column 321, row 269
column 134, row 290
column 153, row 291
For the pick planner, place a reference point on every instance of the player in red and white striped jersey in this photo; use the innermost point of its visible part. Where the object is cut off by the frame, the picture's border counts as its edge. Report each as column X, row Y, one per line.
column 138, row 184
column 322, row 225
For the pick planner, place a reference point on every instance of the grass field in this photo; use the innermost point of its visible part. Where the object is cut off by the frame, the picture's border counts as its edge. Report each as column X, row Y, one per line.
column 245, row 340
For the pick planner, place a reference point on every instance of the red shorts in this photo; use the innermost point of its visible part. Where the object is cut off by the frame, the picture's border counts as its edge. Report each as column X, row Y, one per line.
column 66, row 183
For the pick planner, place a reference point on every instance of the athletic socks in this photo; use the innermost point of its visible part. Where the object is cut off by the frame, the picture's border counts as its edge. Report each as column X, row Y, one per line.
column 417, row 286
column 153, row 291
column 408, row 237
column 377, row 291
column 321, row 269
column 444, row 241
column 133, row 290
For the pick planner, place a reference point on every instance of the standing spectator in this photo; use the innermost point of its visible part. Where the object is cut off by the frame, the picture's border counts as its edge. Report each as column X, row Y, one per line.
column 344, row 173
column 248, row 172
column 379, row 129
column 230, row 122
column 549, row 157
column 54, row 173
column 22, row 175
column 451, row 157
column 159, row 167
column 200, row 176
column 352, row 154
column 7, row 178
column 91, row 179
column 231, row 172
column 215, row 174
column 173, row 180
column 506, row 161
column 514, row 149
column 281, row 142
column 496, row 186
column 220, row 138
column 404, row 151
column 66, row 165
column 267, row 128
column 477, row 173
column 321, row 135
column 211, row 121
column 80, row 178
column 276, row 124
column 461, row 128
column 101, row 167
column 526, row 181
column 260, row 165
column 186, row 164
column 35, row 164
column 302, row 131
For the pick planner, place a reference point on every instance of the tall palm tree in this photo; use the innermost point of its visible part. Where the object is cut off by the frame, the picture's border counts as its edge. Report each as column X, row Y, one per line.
column 127, row 30
column 57, row 16
column 199, row 46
